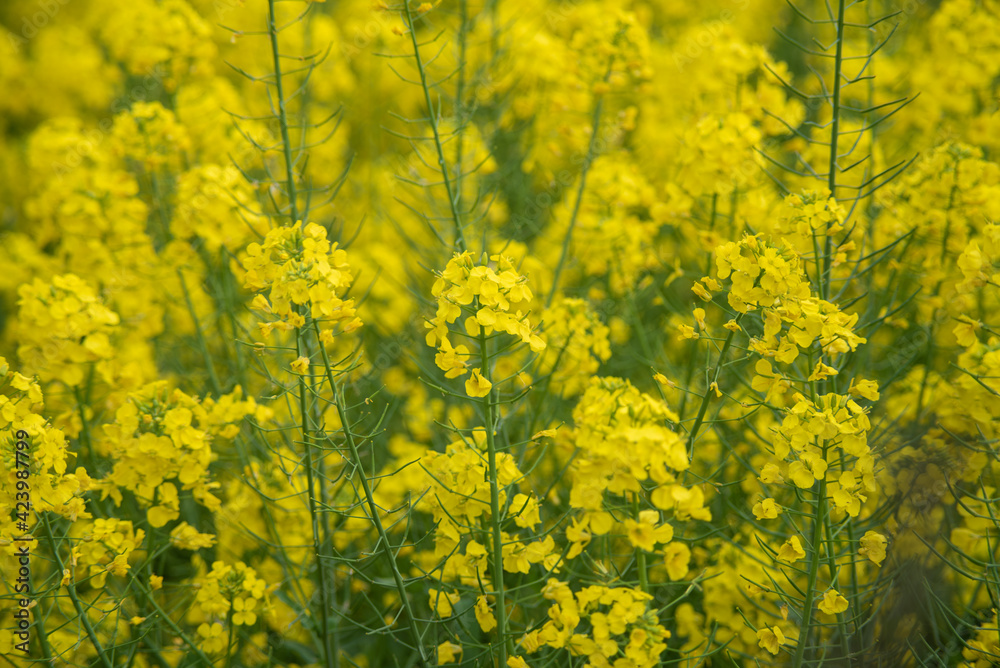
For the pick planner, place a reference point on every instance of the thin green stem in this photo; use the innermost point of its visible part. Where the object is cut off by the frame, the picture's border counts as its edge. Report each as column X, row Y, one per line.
column 71, row 589
column 459, row 104
column 491, row 448
column 331, row 655
column 831, row 563
column 707, row 398
column 372, row 506
column 814, row 562
column 432, row 119
column 286, row 144
column 834, row 136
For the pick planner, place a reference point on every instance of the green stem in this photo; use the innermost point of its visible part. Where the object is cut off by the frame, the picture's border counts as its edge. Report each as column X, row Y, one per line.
column 814, row 561
column 489, row 409
column 706, row 399
column 834, row 136
column 71, row 589
column 373, row 507
column 432, row 119
column 459, row 105
column 272, row 31
column 831, row 563
column 331, row 654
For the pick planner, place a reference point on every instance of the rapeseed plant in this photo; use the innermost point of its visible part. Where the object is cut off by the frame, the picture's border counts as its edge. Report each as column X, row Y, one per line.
column 499, row 333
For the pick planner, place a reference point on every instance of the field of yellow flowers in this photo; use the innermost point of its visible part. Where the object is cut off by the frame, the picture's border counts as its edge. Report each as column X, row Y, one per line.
column 499, row 333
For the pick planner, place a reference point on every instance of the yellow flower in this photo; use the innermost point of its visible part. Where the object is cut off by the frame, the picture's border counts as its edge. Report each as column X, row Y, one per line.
column 301, row 365
column 119, row 566
column 873, row 547
column 771, row 639
column 156, row 581
column 601, row 523
column 833, row 603
column 516, row 662
column 687, row 332
column 822, row 372
column 766, row 509
column 644, row 534
column 525, row 511
column 448, row 652
column 442, row 602
column 213, row 638
column 243, row 611
column 800, row 475
column 451, row 360
column 791, row 550
column 865, row 388
column 966, row 331
column 477, row 386
column 702, row 293
column 770, row 474
column 676, row 557
column 487, row 622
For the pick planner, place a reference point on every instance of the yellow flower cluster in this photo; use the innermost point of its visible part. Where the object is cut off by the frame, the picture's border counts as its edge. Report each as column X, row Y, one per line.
column 456, row 493
column 809, row 215
column 604, row 492
column 578, row 342
column 760, row 275
column 161, row 442
column 150, row 135
column 52, row 485
column 485, row 294
column 214, row 204
column 105, row 547
column 296, row 267
column 620, row 620
column 622, row 443
column 65, row 327
column 227, row 596
column 817, row 433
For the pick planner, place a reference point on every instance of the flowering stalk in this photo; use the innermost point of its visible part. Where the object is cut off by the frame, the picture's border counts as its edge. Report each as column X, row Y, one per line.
column 489, row 409
column 383, row 537
column 809, row 596
column 838, row 62
column 331, row 654
column 286, row 144
column 450, row 189
column 74, row 597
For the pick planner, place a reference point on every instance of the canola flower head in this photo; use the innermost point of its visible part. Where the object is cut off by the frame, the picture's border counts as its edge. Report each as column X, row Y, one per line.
column 298, row 271
column 491, row 295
